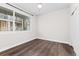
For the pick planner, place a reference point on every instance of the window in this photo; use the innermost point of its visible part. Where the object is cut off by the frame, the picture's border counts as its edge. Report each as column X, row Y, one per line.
column 9, row 22
column 21, row 22
column 6, row 23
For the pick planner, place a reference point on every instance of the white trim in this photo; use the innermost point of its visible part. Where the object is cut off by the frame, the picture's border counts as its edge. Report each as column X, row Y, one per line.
column 14, row 9
column 6, row 20
column 14, row 21
column 57, row 41
column 6, row 48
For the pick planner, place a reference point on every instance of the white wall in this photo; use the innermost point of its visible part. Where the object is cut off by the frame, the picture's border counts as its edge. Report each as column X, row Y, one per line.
column 54, row 26
column 74, row 28
column 10, row 39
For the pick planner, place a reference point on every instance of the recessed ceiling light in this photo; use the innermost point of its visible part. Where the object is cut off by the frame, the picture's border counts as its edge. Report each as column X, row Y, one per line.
column 39, row 6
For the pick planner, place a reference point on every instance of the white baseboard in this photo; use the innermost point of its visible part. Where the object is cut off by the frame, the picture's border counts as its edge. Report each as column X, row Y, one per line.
column 8, row 47
column 56, row 41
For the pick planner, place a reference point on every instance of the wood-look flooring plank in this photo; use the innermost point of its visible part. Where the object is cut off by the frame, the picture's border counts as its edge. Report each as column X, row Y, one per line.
column 39, row 47
column 17, row 49
column 28, row 48
column 44, row 51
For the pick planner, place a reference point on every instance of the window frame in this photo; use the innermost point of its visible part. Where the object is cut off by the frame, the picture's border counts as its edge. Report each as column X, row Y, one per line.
column 13, row 21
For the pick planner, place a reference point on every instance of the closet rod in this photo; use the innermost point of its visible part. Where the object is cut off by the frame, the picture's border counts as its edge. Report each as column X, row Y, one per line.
column 19, row 9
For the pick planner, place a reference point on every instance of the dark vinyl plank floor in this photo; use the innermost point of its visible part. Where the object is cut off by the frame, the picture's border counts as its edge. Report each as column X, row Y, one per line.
column 39, row 47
